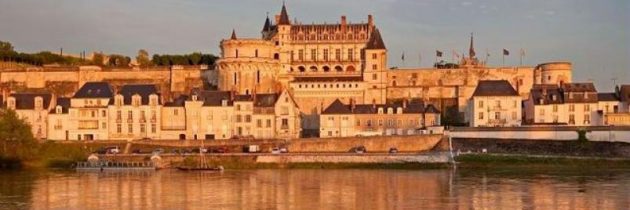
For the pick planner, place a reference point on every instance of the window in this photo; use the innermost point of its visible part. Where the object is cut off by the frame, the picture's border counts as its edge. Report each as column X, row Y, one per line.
column 238, row 118
column 515, row 104
column 259, row 123
column 301, row 55
column 256, row 53
column 555, row 108
column 542, row 112
column 130, row 115
column 571, row 107
column 119, row 128
column 248, row 118
column 350, row 54
column 118, row 115
column 285, row 123
column 571, row 119
column 481, row 115
column 104, row 125
column 497, row 115
column 268, row 123
column 258, row 77
column 498, row 103
column 374, row 77
column 338, row 54
column 325, row 54
column 129, row 128
column 380, row 122
column 369, row 123
column 175, row 112
column 238, row 107
column 103, row 113
column 514, row 117
column 313, row 54
column 480, row 104
column 587, row 108
column 143, row 128
column 374, row 55
column 587, row 119
column 374, row 66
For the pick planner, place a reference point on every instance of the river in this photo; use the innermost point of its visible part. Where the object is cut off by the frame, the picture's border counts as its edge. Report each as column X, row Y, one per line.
column 317, row 189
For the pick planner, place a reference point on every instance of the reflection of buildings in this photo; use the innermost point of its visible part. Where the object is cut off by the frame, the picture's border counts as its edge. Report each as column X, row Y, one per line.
column 326, row 189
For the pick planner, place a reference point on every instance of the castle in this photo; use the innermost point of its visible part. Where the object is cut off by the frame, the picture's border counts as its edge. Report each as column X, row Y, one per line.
column 320, row 63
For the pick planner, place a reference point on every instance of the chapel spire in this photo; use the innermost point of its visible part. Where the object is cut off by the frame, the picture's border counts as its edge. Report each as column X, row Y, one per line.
column 471, row 51
column 233, row 37
column 284, row 16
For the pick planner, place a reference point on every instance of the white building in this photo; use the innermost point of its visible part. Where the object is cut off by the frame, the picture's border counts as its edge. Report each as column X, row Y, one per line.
column 33, row 108
column 495, row 103
column 135, row 113
column 574, row 104
column 88, row 113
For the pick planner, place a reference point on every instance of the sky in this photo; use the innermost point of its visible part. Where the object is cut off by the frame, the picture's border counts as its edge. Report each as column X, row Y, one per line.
column 593, row 35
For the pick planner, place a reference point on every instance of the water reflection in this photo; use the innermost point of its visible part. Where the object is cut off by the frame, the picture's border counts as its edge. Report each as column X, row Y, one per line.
column 319, row 189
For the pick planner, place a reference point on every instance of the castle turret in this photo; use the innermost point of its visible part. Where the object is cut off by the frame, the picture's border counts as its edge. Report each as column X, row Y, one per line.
column 374, row 72
column 553, row 73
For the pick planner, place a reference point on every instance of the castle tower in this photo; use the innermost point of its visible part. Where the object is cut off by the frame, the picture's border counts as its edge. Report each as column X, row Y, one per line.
column 374, row 72
column 247, row 65
column 553, row 73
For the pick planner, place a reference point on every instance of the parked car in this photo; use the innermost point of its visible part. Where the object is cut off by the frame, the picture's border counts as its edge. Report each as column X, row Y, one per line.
column 393, row 150
column 284, row 150
column 112, row 150
column 358, row 149
column 218, row 150
column 275, row 150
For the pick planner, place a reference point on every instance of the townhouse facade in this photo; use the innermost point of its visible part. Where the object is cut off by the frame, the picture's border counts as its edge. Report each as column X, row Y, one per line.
column 394, row 118
column 495, row 103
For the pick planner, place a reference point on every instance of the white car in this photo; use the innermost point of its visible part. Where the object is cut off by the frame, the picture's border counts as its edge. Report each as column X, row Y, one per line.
column 275, row 151
column 113, row 150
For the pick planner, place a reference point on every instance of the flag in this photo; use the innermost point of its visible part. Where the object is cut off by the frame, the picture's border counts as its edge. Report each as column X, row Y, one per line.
column 438, row 53
column 403, row 56
column 506, row 52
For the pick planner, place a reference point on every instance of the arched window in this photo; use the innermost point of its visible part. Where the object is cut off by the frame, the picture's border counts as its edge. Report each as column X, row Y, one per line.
column 394, row 83
column 236, row 53
column 350, row 68
column 350, row 36
column 326, row 68
column 256, row 53
column 276, row 56
column 313, row 68
column 302, row 69
column 338, row 68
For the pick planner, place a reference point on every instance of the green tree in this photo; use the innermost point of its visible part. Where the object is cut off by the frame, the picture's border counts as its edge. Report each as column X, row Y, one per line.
column 6, row 46
column 143, row 58
column 195, row 58
column 16, row 138
column 119, row 60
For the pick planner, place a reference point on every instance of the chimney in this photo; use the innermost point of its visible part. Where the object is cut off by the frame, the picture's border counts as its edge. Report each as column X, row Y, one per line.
column 343, row 21
column 370, row 21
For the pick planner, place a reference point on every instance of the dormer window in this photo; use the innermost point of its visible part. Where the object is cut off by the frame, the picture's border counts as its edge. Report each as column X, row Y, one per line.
column 399, row 110
column 58, row 109
column 153, row 100
column 585, row 95
column 390, row 110
column 194, row 97
column 554, row 97
column 571, row 95
column 380, row 110
column 38, row 102
column 118, row 100
column 11, row 103
column 224, row 102
column 135, row 100
column 541, row 101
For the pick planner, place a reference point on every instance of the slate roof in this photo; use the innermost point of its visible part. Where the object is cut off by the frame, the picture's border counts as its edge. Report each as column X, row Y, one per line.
column 607, row 97
column 144, row 90
column 338, row 107
column 328, row 79
column 574, row 93
column 284, row 16
column 177, row 102
column 94, row 90
column 27, row 100
column 494, row 88
column 547, row 93
column 376, row 41
column 213, row 98
column 262, row 100
column 64, row 103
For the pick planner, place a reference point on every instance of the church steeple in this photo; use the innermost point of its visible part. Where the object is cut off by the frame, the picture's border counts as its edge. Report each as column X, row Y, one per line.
column 233, row 37
column 284, row 16
column 471, row 51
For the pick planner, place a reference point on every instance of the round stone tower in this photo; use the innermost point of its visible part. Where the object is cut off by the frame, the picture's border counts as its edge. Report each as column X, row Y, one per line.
column 553, row 73
column 248, row 65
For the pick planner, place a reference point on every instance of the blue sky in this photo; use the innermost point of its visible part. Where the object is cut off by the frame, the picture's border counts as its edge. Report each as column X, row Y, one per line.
column 594, row 35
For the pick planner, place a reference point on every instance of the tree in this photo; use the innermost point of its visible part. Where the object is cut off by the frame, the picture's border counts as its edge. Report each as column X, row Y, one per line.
column 119, row 60
column 143, row 58
column 195, row 58
column 6, row 46
column 16, row 138
column 98, row 59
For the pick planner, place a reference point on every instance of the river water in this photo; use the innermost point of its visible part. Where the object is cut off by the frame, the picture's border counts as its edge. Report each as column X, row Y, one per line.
column 317, row 189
